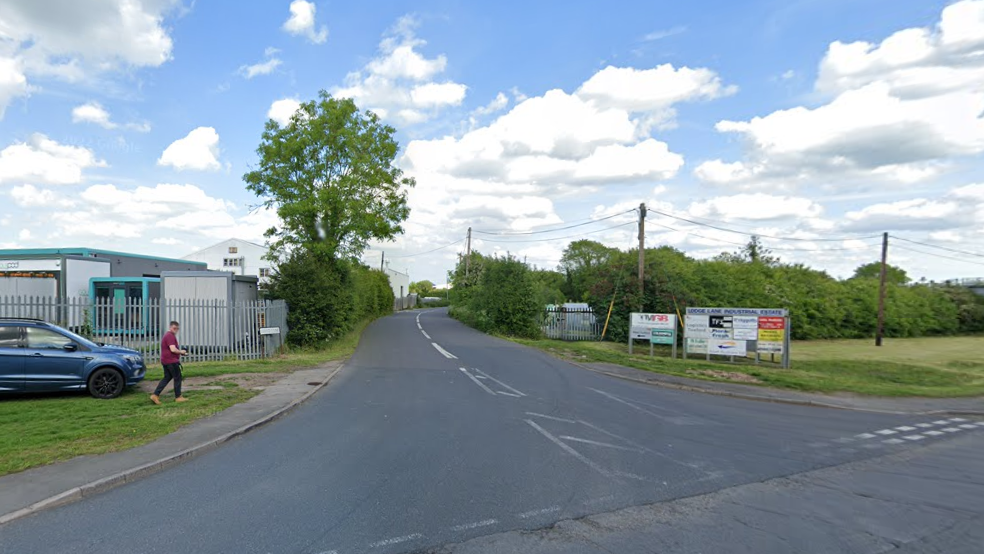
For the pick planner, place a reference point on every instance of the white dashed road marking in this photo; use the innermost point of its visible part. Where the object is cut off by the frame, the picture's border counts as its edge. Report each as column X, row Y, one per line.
column 865, row 436
column 534, row 414
column 396, row 540
column 501, row 384
column 566, row 448
column 957, row 419
column 951, row 429
column 475, row 525
column 905, row 428
column 924, row 425
column 446, row 354
column 477, row 382
column 885, row 432
column 541, row 511
column 940, row 422
column 893, row 441
column 967, row 426
column 425, row 334
column 914, row 437
column 598, row 443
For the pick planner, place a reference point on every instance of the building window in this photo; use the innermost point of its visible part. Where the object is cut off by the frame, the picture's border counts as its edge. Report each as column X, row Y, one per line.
column 233, row 249
column 231, row 262
column 264, row 272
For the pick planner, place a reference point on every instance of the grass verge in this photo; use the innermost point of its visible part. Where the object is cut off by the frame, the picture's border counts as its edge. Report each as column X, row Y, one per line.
column 39, row 430
column 930, row 367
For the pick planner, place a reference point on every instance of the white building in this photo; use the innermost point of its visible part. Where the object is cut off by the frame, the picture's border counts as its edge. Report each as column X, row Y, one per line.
column 399, row 282
column 235, row 255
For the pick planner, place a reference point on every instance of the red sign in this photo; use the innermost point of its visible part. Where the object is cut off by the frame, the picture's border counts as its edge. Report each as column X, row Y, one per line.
column 772, row 323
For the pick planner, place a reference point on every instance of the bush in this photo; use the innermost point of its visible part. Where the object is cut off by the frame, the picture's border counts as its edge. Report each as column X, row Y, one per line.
column 498, row 296
column 327, row 298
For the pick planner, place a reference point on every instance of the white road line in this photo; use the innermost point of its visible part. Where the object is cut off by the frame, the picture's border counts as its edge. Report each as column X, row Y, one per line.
column 843, row 440
column 893, row 441
column 419, row 327
column 913, row 437
column 425, row 334
column 540, row 512
column 941, row 422
column 924, row 425
column 477, row 382
column 418, row 317
column 544, row 416
column 396, row 540
column 566, row 448
column 885, row 432
column 933, row 433
column 629, row 404
column 905, row 428
column 957, row 419
column 514, row 391
column 329, row 552
column 598, row 443
column 504, row 393
column 980, row 424
column 475, row 525
column 951, row 429
column 447, row 354
column 967, row 426
column 865, row 436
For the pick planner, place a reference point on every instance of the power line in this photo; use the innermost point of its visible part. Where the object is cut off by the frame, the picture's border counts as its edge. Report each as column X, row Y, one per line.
column 761, row 235
column 940, row 247
column 744, row 244
column 521, row 233
column 559, row 238
column 429, row 251
column 937, row 255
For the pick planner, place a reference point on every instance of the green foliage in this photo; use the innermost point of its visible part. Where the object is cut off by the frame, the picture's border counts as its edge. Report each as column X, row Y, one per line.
column 893, row 274
column 330, row 174
column 422, row 288
column 328, row 298
column 497, row 296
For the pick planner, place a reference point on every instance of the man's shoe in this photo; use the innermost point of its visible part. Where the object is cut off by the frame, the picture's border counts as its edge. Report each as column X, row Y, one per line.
column 155, row 399
column 180, row 399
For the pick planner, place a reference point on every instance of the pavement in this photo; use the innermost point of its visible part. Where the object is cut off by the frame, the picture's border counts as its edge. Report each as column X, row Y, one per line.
column 435, row 438
column 27, row 492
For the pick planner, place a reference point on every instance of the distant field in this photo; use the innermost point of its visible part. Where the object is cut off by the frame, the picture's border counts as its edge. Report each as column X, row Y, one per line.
column 933, row 367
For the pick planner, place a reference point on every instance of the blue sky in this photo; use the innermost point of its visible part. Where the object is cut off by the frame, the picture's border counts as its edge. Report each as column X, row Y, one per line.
column 807, row 119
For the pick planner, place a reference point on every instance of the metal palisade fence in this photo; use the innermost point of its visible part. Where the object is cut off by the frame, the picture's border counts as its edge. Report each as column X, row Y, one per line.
column 570, row 323
column 211, row 330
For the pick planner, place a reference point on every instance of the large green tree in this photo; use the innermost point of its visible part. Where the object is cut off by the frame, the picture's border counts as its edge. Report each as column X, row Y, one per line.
column 893, row 274
column 330, row 175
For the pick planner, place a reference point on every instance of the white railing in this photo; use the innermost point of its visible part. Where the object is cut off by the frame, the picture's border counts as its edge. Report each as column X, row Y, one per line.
column 210, row 329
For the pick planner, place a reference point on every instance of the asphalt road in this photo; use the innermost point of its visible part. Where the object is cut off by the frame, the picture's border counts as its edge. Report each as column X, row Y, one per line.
column 436, row 434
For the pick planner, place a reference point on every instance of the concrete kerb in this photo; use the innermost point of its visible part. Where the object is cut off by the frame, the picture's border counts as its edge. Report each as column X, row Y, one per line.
column 139, row 472
column 761, row 398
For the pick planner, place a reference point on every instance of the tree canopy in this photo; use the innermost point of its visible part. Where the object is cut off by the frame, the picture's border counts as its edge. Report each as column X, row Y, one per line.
column 330, row 175
column 893, row 274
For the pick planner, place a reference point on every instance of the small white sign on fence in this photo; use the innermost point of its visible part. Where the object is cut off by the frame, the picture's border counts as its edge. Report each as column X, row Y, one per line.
column 269, row 330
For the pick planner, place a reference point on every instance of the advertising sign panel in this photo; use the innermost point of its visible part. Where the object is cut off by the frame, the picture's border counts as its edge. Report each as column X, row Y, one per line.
column 663, row 336
column 727, row 347
column 642, row 324
column 696, row 346
column 697, row 327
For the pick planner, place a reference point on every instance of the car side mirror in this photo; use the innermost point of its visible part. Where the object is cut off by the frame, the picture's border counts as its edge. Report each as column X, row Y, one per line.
column 71, row 347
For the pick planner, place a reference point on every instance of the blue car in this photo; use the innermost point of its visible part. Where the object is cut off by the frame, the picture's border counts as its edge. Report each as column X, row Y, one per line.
column 40, row 357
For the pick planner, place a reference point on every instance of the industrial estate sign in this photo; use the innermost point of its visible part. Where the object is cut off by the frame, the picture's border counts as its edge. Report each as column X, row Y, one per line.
column 736, row 332
column 655, row 328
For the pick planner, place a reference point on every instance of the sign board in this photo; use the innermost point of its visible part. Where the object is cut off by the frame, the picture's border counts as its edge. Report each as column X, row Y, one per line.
column 738, row 311
column 30, row 265
column 740, row 333
column 663, row 336
column 641, row 324
column 270, row 330
column 696, row 346
column 771, row 335
column 696, row 327
column 727, row 347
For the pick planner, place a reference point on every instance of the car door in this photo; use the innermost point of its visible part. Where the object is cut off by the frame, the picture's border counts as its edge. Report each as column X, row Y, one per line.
column 48, row 365
column 11, row 358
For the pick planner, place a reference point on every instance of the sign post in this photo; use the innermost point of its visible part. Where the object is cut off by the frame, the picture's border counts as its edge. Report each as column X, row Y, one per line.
column 653, row 328
column 736, row 332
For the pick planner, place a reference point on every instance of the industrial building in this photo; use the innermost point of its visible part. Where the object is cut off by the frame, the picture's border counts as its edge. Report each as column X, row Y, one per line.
column 237, row 256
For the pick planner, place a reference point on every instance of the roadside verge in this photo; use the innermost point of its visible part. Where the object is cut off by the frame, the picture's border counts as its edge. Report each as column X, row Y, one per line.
column 28, row 492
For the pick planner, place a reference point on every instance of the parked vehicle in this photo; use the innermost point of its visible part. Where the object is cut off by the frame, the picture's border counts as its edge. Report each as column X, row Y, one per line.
column 36, row 356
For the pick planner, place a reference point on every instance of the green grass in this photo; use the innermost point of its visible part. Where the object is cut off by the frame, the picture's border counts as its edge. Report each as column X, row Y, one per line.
column 39, row 430
column 43, row 430
column 931, row 367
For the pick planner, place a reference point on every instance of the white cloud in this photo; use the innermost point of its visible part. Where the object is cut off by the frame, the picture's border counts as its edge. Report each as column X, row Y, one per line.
column 266, row 67
column 755, row 207
column 199, row 150
column 399, row 83
column 166, row 241
column 900, row 109
column 663, row 33
column 29, row 196
column 92, row 112
column 655, row 89
column 302, row 22
column 282, row 110
column 497, row 104
column 42, row 160
column 25, row 234
column 13, row 82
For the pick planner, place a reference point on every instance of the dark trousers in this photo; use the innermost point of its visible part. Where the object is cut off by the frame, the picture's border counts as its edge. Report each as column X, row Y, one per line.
column 171, row 371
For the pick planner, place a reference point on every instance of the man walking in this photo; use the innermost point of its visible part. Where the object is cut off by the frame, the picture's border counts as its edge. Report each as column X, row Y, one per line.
column 171, row 360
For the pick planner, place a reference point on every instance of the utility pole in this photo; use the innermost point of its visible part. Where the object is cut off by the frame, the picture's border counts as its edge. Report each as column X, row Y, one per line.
column 880, row 331
column 642, row 254
column 382, row 262
column 468, row 253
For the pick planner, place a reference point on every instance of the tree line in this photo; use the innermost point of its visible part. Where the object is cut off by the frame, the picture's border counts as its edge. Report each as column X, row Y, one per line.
column 503, row 294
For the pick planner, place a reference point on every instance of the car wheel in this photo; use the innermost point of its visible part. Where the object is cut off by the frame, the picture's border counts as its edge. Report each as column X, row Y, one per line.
column 105, row 383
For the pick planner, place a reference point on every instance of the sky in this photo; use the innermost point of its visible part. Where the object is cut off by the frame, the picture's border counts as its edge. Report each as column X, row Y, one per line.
column 816, row 124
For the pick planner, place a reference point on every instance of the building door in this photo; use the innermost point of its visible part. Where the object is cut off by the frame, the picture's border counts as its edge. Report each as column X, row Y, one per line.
column 48, row 365
column 11, row 359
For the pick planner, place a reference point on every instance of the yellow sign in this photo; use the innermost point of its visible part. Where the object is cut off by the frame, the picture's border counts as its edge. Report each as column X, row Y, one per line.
column 772, row 335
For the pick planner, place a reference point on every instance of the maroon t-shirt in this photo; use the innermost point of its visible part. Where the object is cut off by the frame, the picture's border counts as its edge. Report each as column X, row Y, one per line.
column 168, row 357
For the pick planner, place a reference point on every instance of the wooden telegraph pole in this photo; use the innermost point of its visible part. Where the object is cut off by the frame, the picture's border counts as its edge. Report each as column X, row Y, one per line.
column 880, row 331
column 468, row 254
column 642, row 254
